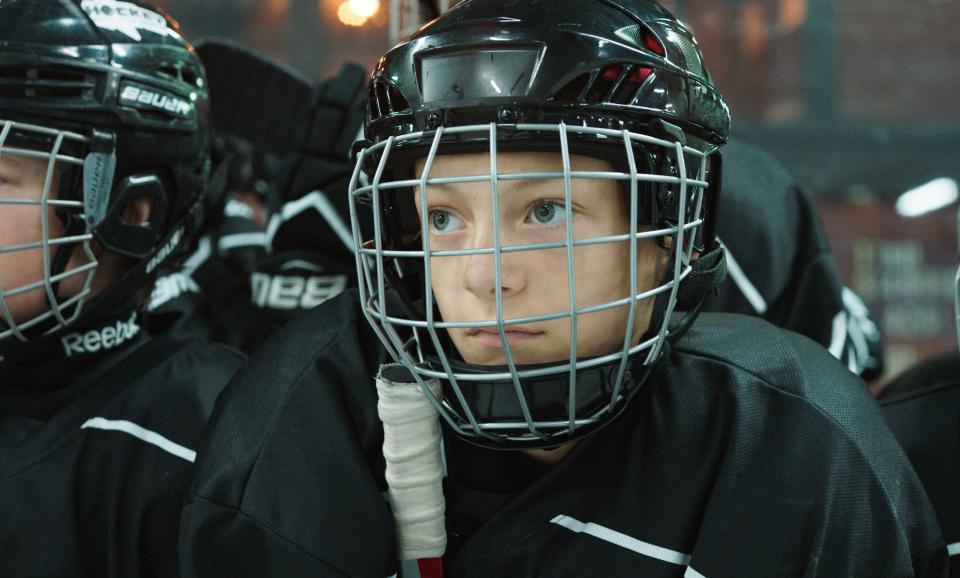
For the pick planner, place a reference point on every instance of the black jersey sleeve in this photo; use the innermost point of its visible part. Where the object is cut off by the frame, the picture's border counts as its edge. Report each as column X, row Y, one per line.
column 812, row 483
column 286, row 483
column 95, row 488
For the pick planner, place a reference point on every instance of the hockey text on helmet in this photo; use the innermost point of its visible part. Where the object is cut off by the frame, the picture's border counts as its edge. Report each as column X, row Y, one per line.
column 104, row 338
column 126, row 18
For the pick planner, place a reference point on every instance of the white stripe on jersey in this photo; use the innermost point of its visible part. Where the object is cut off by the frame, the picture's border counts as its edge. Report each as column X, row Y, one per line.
column 750, row 292
column 624, row 541
column 318, row 201
column 691, row 573
column 953, row 549
column 138, row 432
column 228, row 242
column 839, row 334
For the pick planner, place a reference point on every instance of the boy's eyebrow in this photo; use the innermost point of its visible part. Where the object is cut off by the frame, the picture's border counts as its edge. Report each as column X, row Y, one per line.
column 10, row 166
column 504, row 186
column 438, row 187
column 10, row 159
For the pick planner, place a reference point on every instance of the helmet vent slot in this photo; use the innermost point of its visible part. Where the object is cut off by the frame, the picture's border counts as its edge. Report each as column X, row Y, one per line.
column 383, row 102
column 604, row 82
column 46, row 83
column 627, row 91
column 573, row 90
column 386, row 100
column 373, row 105
column 612, row 84
column 397, row 102
column 180, row 74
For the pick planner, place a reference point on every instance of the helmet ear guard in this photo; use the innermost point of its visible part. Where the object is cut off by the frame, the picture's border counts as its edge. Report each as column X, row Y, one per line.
column 135, row 239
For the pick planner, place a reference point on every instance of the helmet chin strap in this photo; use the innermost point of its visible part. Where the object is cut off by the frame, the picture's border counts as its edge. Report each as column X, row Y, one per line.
column 707, row 274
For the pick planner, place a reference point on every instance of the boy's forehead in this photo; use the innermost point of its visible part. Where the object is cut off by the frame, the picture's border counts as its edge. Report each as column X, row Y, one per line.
column 507, row 161
column 535, row 163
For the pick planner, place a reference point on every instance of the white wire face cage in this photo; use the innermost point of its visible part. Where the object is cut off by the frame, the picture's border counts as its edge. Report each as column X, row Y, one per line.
column 502, row 405
column 407, row 16
column 60, row 151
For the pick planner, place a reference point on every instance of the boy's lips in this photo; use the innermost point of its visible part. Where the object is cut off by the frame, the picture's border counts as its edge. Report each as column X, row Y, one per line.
column 490, row 337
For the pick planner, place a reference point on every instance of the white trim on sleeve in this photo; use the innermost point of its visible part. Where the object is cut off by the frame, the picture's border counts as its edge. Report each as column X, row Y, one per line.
column 624, row 541
column 150, row 437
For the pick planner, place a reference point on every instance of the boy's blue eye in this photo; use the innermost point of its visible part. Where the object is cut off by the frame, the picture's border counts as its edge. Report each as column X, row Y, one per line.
column 443, row 221
column 548, row 213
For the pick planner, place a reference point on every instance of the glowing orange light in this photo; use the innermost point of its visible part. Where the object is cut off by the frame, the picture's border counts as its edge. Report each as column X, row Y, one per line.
column 365, row 8
column 348, row 16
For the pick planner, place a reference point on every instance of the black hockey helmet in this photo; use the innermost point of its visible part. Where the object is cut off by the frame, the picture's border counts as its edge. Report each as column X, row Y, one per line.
column 111, row 96
column 620, row 80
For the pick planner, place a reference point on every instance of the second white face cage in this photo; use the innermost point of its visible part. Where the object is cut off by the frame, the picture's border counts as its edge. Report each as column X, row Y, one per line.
column 60, row 312
column 372, row 259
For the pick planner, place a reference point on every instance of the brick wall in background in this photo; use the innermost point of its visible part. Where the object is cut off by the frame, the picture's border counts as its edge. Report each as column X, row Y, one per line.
column 899, row 60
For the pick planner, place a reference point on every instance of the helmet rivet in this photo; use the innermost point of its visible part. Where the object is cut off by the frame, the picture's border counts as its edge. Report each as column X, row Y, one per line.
column 434, row 120
column 509, row 116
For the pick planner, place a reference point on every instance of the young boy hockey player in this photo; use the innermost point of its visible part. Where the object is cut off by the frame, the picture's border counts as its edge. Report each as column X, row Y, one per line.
column 543, row 177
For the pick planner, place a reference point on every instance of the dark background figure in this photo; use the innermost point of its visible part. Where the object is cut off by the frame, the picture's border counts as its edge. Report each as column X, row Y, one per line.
column 282, row 245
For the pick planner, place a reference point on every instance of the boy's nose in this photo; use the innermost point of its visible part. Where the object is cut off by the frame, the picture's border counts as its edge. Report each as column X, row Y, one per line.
column 480, row 274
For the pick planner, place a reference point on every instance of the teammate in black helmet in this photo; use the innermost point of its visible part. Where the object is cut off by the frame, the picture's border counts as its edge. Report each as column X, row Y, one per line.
column 104, row 166
column 544, row 178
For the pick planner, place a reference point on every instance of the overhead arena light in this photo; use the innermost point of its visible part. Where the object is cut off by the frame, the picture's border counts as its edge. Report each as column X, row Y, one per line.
column 349, row 16
column 927, row 198
column 365, row 8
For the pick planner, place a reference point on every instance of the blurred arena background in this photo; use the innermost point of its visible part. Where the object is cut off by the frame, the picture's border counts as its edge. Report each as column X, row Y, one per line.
column 859, row 99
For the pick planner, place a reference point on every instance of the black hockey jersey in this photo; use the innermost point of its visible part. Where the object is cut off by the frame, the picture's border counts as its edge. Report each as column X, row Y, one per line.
column 922, row 407
column 752, row 453
column 97, row 445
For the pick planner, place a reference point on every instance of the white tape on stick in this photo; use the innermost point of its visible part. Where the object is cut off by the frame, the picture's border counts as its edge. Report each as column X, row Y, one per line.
column 411, row 447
